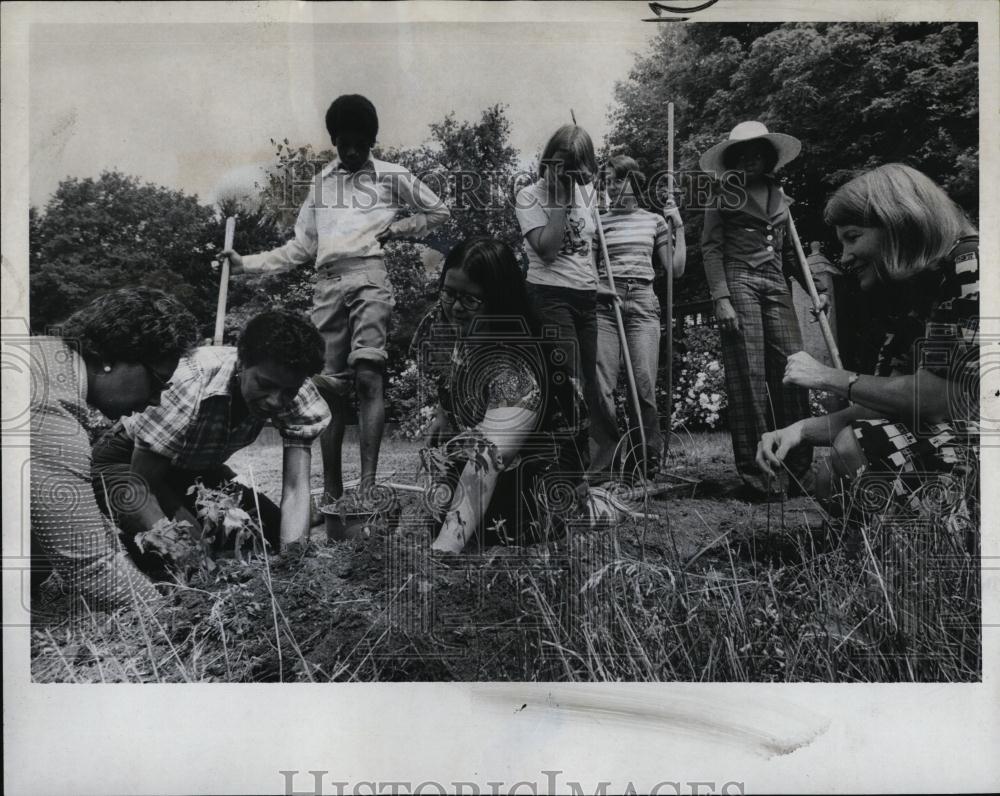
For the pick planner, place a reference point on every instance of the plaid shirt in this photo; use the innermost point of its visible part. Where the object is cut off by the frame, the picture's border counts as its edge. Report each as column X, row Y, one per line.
column 191, row 426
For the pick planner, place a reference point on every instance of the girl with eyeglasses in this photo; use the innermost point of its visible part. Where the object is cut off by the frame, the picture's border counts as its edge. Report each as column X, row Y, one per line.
column 509, row 421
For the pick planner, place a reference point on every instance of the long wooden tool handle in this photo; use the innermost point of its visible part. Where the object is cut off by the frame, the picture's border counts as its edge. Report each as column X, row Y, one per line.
column 824, row 323
column 626, row 356
column 623, row 340
column 670, row 147
column 669, row 336
column 220, row 308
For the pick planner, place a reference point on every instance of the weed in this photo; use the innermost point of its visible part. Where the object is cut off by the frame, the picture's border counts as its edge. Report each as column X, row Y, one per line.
column 706, row 597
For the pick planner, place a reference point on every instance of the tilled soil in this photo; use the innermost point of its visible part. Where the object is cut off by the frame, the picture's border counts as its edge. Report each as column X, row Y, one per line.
column 384, row 608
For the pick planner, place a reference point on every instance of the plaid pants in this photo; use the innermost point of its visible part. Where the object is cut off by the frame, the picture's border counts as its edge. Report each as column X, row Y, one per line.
column 754, row 358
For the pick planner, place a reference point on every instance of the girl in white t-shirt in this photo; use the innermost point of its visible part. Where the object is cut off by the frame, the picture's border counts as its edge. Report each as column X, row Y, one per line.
column 557, row 220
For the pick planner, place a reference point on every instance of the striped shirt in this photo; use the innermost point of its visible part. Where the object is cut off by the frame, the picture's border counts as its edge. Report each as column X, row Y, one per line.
column 345, row 211
column 67, row 527
column 632, row 237
column 939, row 329
column 191, row 425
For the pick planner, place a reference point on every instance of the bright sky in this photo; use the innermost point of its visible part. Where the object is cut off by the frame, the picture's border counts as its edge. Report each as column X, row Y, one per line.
column 193, row 106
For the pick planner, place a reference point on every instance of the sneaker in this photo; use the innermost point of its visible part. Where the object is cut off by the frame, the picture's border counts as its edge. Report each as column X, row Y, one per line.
column 606, row 507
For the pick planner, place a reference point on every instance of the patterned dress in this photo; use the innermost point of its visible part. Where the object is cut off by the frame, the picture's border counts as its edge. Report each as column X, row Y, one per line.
column 935, row 328
column 69, row 534
column 543, row 483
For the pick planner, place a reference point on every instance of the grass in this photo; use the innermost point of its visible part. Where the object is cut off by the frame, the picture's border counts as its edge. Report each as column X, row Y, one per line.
column 711, row 590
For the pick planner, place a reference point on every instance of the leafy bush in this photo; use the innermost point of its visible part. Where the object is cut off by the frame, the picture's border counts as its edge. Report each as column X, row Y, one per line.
column 409, row 401
column 699, row 391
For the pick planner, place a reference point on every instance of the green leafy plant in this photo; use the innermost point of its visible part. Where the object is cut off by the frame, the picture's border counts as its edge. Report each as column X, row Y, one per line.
column 409, row 399
column 223, row 518
column 171, row 540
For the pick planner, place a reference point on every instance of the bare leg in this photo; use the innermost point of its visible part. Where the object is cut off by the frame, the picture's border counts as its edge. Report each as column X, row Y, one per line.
column 846, row 456
column 371, row 420
column 331, row 443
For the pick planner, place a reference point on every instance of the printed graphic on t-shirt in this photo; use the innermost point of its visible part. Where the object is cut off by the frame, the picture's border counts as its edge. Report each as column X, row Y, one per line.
column 574, row 241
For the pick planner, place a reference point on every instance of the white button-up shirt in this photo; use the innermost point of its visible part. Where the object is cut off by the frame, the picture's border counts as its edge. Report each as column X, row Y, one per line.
column 345, row 211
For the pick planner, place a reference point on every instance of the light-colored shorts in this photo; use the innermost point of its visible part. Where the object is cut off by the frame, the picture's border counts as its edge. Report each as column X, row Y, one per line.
column 352, row 312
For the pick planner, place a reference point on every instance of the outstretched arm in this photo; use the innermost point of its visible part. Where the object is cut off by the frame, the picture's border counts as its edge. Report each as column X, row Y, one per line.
column 295, row 507
column 507, row 428
column 300, row 249
column 916, row 399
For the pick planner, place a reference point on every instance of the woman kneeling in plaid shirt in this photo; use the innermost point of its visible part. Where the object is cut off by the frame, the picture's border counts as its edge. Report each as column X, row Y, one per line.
column 216, row 403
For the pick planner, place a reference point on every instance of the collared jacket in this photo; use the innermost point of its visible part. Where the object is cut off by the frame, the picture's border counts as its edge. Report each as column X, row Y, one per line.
column 738, row 229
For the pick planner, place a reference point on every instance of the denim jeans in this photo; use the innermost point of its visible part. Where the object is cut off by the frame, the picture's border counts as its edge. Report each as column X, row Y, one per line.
column 640, row 310
column 572, row 316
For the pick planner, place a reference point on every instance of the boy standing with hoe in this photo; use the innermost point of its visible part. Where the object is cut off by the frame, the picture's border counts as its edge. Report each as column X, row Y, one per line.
column 351, row 210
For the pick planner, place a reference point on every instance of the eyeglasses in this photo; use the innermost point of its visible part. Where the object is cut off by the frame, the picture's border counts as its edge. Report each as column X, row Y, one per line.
column 471, row 303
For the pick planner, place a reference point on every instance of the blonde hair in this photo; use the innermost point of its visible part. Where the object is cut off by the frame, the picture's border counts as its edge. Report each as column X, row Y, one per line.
column 919, row 221
column 575, row 141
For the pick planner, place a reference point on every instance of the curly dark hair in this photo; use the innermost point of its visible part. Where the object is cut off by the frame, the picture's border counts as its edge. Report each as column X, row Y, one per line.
column 352, row 113
column 282, row 337
column 137, row 324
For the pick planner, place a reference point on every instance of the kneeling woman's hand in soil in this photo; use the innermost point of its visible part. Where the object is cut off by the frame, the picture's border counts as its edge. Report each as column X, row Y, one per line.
column 775, row 445
column 507, row 428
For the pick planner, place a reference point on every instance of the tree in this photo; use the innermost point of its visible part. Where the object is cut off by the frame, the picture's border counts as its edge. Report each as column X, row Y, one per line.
column 99, row 235
column 856, row 95
column 473, row 168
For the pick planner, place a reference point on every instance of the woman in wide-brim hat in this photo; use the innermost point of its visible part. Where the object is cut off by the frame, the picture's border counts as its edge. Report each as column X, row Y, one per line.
column 786, row 148
column 749, row 259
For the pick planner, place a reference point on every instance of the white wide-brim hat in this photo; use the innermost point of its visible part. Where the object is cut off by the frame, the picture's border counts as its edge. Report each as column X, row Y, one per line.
column 786, row 146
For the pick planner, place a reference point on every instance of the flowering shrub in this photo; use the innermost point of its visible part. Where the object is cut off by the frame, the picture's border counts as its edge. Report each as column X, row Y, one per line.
column 699, row 392
column 409, row 401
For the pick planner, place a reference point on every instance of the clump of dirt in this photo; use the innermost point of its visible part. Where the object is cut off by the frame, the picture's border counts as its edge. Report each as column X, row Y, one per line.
column 386, row 608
